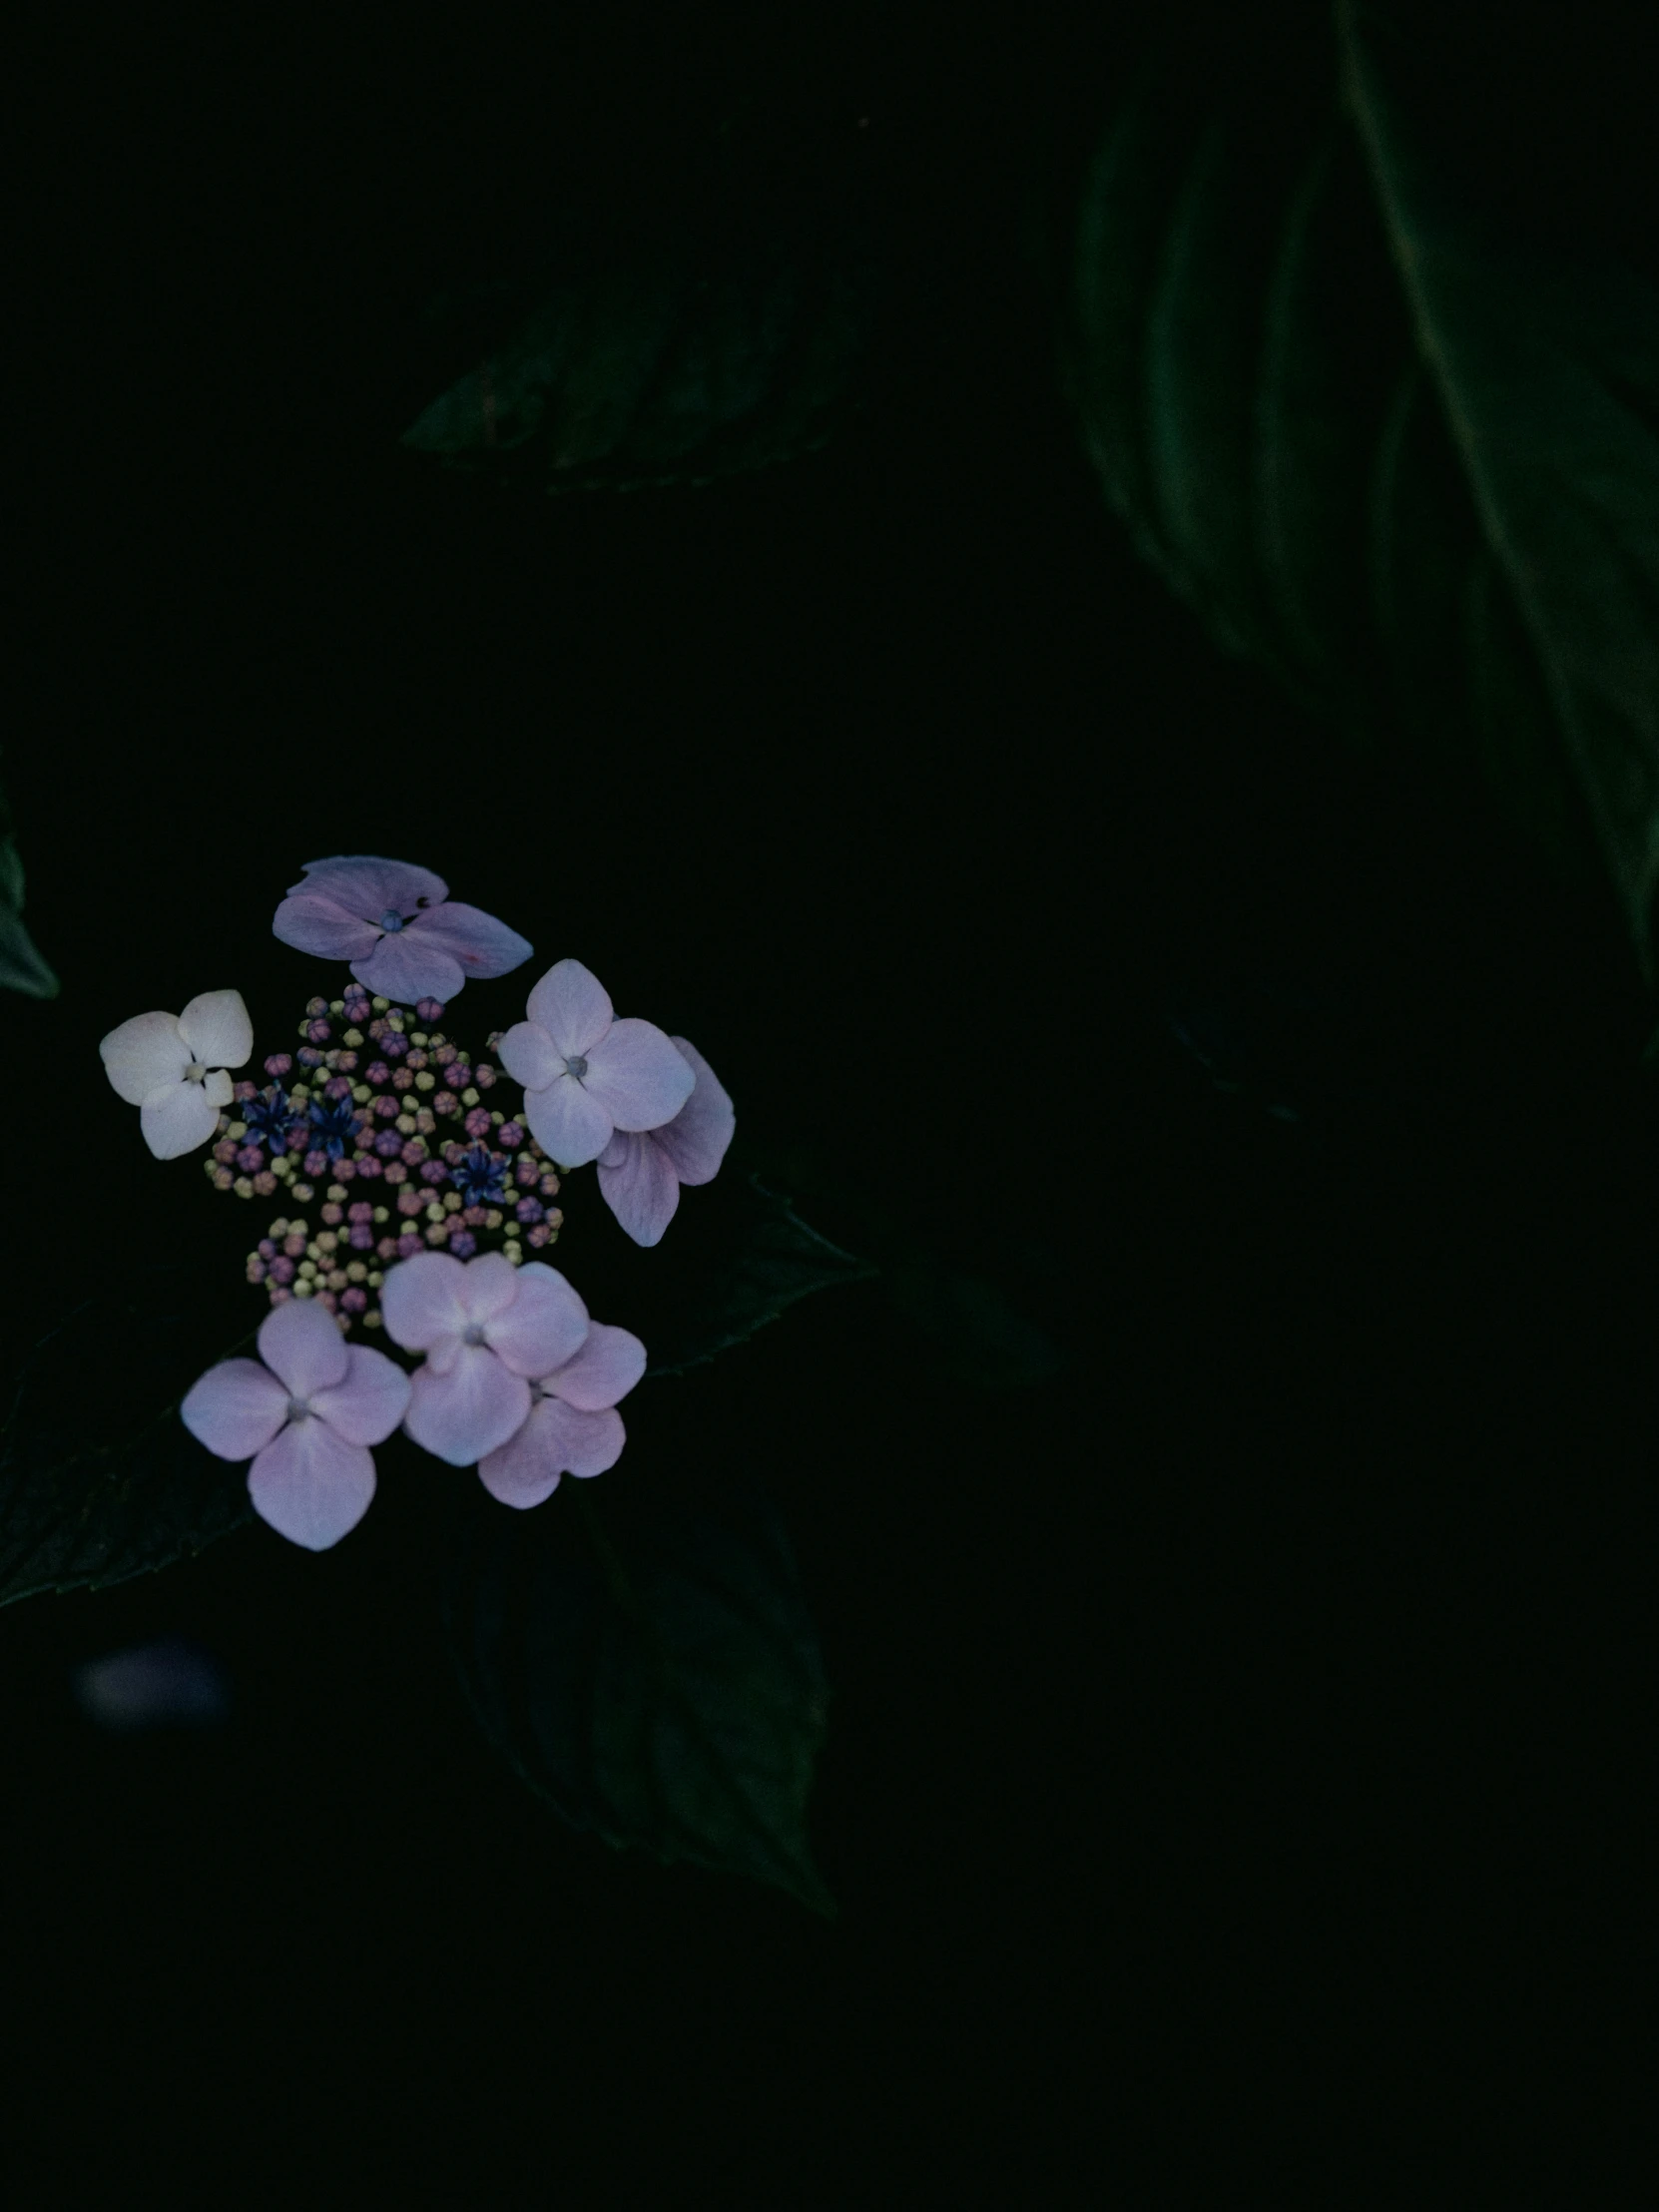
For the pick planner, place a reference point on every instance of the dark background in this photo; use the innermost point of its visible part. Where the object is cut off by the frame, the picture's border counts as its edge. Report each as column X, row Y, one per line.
column 1233, row 1783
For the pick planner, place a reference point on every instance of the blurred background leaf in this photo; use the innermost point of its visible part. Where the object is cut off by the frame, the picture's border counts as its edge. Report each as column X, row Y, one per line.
column 21, row 966
column 99, row 1477
column 1403, row 457
column 649, row 1668
column 727, row 333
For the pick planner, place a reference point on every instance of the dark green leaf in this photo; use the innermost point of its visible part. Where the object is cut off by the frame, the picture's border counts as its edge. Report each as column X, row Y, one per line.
column 969, row 1323
column 976, row 1332
column 99, row 1480
column 659, row 1685
column 736, row 1255
column 21, row 966
column 725, row 347
column 1547, row 373
column 1412, row 474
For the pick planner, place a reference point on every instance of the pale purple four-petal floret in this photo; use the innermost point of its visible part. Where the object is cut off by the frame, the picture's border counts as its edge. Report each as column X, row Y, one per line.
column 640, row 1173
column 305, row 1416
column 405, row 938
column 586, row 1074
column 517, row 1380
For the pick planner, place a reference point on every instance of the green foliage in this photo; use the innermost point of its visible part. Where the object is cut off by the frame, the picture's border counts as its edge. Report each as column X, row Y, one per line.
column 965, row 1322
column 21, row 966
column 730, row 343
column 99, row 1480
column 661, row 1685
column 1410, row 468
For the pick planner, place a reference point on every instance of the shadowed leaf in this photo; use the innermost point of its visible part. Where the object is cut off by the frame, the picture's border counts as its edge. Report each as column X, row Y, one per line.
column 1413, row 472
column 659, row 1685
column 21, row 966
column 725, row 348
column 99, row 1480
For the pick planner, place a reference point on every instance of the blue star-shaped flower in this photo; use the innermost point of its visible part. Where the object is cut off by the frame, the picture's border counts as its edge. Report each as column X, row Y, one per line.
column 333, row 1125
column 267, row 1117
column 480, row 1176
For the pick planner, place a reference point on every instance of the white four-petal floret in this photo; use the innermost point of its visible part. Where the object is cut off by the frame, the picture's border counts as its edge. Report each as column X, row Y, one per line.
column 171, row 1067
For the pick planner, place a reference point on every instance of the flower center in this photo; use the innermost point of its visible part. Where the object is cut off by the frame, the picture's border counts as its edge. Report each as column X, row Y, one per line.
column 577, row 1067
column 474, row 1333
column 194, row 1072
column 391, row 920
column 299, row 1408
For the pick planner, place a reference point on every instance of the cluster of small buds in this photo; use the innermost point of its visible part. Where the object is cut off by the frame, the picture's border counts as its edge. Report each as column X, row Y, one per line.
column 384, row 1118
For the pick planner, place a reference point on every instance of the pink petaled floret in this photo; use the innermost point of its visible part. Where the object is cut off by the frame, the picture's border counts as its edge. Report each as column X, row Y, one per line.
column 304, row 1412
column 573, row 1427
column 585, row 1073
column 640, row 1172
column 398, row 928
column 487, row 1329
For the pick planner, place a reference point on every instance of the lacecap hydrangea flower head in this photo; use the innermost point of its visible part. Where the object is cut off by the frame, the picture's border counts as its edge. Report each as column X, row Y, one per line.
column 426, row 1201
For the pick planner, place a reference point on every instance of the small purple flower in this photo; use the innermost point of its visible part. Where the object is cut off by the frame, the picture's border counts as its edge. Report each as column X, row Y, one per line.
column 573, row 1427
column 640, row 1173
column 586, row 1074
column 404, row 936
column 486, row 1327
column 305, row 1418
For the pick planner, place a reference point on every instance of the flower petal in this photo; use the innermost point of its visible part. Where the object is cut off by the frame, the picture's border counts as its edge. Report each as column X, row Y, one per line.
column 176, row 1120
column 405, row 970
column 696, row 1140
column 461, row 1415
column 639, row 1075
column 314, row 922
column 570, row 1127
column 483, row 945
column 527, row 1054
column 235, row 1408
column 608, row 1366
column 370, row 1402
column 573, row 1006
column 310, row 1484
column 218, row 1089
column 217, row 1027
column 545, row 1325
column 489, row 1285
column 144, row 1054
column 302, row 1345
column 555, row 1441
column 422, row 1300
column 638, row 1183
column 367, row 886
